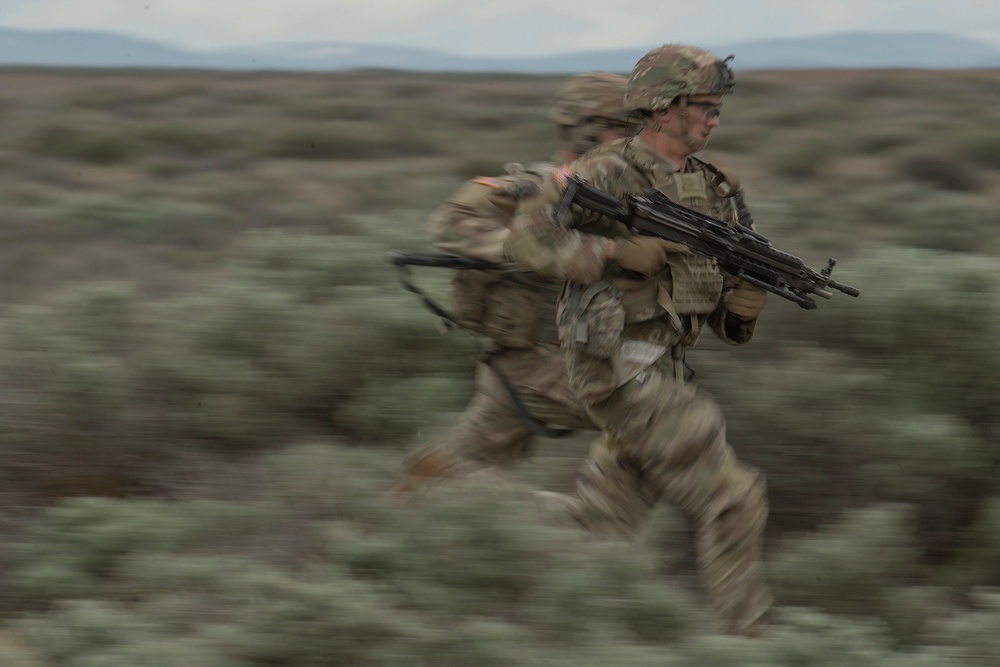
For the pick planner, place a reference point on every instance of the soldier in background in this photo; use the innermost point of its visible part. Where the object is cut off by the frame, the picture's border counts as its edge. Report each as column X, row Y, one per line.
column 630, row 308
column 521, row 383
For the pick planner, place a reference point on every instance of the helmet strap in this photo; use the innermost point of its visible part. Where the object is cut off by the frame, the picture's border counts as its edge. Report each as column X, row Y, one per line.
column 693, row 144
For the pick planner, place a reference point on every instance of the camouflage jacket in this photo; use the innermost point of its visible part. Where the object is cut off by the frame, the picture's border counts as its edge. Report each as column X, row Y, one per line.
column 669, row 308
column 515, row 309
column 476, row 219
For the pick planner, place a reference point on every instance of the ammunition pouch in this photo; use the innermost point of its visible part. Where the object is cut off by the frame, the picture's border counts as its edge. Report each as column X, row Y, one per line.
column 513, row 309
column 591, row 319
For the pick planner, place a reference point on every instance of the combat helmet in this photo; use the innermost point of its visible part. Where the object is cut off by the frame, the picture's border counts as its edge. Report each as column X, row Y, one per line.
column 586, row 106
column 590, row 95
column 676, row 70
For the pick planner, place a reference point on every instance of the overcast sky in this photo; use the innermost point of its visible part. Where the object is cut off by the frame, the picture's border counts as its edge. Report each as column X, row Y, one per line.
column 502, row 27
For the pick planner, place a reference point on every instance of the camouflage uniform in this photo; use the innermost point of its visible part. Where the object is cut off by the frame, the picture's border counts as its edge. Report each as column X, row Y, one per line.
column 662, row 436
column 515, row 310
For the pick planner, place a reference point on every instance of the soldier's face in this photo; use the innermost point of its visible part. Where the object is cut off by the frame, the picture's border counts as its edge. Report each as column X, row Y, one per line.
column 702, row 116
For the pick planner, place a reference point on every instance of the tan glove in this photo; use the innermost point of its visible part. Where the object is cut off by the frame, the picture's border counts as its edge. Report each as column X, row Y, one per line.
column 643, row 254
column 746, row 300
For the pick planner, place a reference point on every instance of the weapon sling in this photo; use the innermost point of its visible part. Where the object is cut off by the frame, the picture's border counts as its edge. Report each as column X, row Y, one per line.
column 403, row 260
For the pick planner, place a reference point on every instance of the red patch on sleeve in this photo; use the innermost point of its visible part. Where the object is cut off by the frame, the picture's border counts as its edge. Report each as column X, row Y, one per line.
column 494, row 183
column 562, row 174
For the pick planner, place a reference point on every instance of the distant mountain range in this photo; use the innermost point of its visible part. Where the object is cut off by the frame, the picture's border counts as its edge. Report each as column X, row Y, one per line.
column 62, row 48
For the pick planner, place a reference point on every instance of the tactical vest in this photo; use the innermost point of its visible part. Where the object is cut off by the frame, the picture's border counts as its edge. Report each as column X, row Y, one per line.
column 691, row 286
column 514, row 308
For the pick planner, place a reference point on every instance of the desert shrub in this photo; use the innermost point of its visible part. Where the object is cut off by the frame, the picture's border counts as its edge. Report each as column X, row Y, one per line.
column 314, row 268
column 804, row 114
column 756, row 87
column 321, row 145
column 938, row 465
column 332, row 109
column 223, row 364
column 803, row 637
column 881, row 140
column 487, row 123
column 970, row 637
column 279, row 347
column 876, row 87
column 413, row 90
column 318, row 146
column 93, row 146
column 847, row 567
column 309, row 567
column 939, row 168
column 258, row 617
column 739, row 140
column 808, row 637
column 464, row 539
column 197, row 575
column 916, row 216
column 116, row 95
column 981, row 145
column 79, row 546
column 610, row 585
column 811, row 228
column 249, row 364
column 803, row 162
column 396, row 408
column 83, row 545
column 305, row 217
column 72, row 424
column 910, row 611
column 13, row 654
column 183, row 140
column 153, row 221
column 977, row 564
column 807, row 417
column 950, row 364
column 901, row 413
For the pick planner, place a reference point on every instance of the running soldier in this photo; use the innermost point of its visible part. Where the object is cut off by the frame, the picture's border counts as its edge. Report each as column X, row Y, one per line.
column 631, row 306
column 515, row 310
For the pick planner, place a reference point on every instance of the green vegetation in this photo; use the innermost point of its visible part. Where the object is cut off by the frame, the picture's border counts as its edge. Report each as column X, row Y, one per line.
column 208, row 374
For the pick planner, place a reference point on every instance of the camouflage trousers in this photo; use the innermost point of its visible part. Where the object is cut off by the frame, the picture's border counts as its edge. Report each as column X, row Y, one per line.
column 666, row 439
column 490, row 434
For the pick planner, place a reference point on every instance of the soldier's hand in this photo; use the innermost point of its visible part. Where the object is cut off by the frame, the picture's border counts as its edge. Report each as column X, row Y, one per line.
column 643, row 254
column 746, row 300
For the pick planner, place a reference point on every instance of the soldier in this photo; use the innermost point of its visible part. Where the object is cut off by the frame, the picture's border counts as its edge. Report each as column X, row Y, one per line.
column 513, row 309
column 639, row 303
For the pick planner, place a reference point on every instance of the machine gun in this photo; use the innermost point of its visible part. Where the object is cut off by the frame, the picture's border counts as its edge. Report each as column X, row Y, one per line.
column 740, row 251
